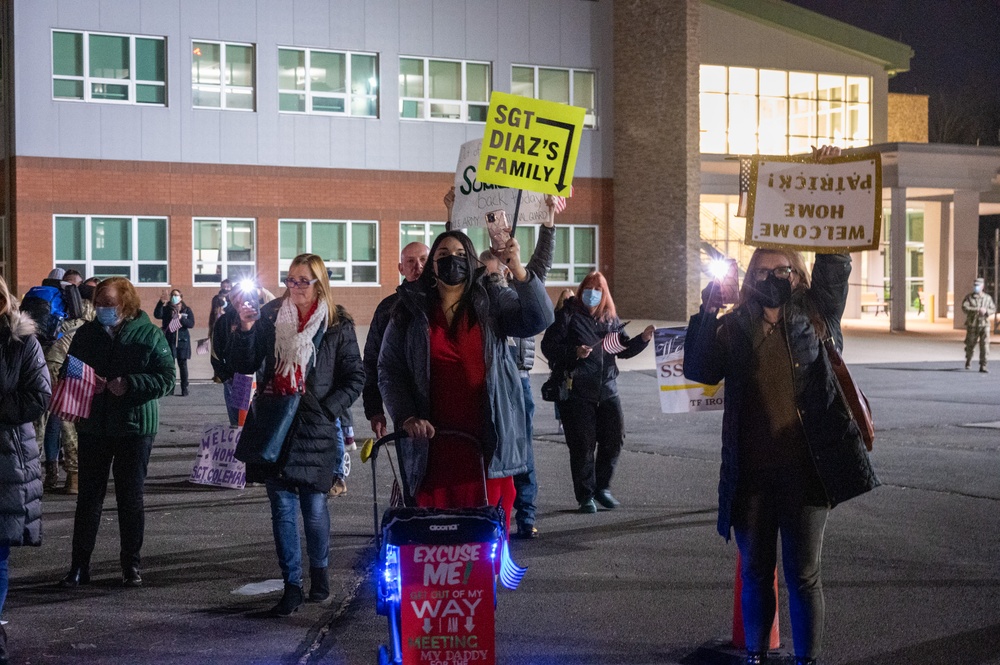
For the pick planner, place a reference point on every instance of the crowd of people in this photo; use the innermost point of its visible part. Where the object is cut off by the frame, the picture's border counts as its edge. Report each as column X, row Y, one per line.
column 447, row 360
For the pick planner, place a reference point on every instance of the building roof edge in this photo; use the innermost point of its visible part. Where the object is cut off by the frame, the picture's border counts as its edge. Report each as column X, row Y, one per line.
column 892, row 55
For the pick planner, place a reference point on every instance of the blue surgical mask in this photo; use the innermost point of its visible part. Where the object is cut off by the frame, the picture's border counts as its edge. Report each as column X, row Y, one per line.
column 592, row 297
column 107, row 316
column 175, row 300
column 978, row 288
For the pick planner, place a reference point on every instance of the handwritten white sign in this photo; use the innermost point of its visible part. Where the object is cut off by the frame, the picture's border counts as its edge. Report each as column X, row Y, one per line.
column 215, row 464
column 473, row 199
column 833, row 206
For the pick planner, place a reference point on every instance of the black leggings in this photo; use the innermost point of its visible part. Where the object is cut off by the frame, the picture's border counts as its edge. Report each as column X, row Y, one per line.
column 182, row 365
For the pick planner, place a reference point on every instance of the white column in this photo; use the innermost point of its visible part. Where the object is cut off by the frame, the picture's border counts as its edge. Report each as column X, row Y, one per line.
column 897, row 258
column 965, row 251
column 944, row 260
column 932, row 256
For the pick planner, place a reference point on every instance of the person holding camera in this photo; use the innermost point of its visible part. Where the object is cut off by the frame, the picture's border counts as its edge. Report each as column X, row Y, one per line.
column 308, row 347
column 791, row 449
column 177, row 320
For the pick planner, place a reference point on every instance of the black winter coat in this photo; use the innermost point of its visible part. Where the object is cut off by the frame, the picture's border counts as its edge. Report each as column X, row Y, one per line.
column 718, row 348
column 594, row 377
column 25, row 390
column 180, row 341
column 372, row 398
column 308, row 457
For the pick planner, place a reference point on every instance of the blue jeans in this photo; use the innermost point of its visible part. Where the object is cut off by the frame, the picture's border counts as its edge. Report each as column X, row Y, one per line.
column 4, row 553
column 233, row 413
column 53, row 429
column 338, row 464
column 525, row 484
column 285, row 524
column 771, row 504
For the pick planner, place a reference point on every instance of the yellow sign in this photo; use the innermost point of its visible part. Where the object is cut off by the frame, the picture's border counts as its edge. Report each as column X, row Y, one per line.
column 530, row 144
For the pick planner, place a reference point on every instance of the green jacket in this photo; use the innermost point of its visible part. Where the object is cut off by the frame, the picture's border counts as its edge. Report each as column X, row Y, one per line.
column 971, row 306
column 139, row 352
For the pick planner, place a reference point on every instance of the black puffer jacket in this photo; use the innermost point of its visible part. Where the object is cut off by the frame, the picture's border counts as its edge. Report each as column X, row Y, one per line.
column 25, row 390
column 721, row 348
column 594, row 377
column 333, row 384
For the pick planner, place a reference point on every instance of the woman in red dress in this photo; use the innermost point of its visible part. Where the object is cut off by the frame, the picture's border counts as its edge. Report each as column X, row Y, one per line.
column 444, row 365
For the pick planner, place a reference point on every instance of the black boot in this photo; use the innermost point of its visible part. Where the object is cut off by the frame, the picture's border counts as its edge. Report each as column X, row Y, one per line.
column 756, row 658
column 804, row 661
column 4, row 654
column 51, row 482
column 291, row 601
column 78, row 574
column 131, row 577
column 319, row 585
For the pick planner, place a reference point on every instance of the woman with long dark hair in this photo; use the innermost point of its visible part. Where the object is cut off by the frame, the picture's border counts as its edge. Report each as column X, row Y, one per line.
column 790, row 448
column 444, row 365
column 582, row 345
column 177, row 319
column 307, row 346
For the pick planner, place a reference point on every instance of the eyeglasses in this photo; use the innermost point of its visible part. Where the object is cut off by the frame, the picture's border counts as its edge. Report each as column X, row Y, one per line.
column 299, row 283
column 781, row 272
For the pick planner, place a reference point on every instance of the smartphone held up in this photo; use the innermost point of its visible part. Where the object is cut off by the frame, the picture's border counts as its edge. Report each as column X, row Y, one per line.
column 726, row 277
column 499, row 230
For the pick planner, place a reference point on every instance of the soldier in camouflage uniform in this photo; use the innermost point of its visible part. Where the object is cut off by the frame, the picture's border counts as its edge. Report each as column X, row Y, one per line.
column 979, row 308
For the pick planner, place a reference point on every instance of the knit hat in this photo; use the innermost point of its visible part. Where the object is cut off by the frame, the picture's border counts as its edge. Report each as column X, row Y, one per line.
column 979, row 282
column 57, row 273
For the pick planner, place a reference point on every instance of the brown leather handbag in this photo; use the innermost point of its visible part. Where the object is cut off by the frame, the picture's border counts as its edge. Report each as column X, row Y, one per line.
column 853, row 396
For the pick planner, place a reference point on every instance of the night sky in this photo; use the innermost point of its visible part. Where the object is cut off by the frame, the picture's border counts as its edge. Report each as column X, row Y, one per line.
column 956, row 45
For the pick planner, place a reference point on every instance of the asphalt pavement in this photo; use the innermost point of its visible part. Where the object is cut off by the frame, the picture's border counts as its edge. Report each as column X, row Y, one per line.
column 911, row 570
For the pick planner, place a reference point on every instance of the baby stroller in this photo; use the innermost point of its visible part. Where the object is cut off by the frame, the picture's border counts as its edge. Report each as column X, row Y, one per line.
column 436, row 575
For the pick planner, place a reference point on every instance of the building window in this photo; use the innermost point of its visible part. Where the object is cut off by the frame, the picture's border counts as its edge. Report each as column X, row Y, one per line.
column 222, row 76
column 765, row 111
column 424, row 232
column 313, row 81
column 526, row 235
column 223, row 248
column 130, row 247
column 445, row 90
column 349, row 248
column 574, row 255
column 98, row 67
column 576, row 87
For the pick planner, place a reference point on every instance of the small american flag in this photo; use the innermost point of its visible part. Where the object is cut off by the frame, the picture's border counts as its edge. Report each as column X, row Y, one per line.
column 744, row 187
column 396, row 497
column 75, row 392
column 175, row 324
column 561, row 201
column 612, row 343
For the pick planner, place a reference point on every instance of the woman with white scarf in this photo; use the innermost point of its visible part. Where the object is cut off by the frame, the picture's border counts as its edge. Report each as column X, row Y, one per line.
column 307, row 345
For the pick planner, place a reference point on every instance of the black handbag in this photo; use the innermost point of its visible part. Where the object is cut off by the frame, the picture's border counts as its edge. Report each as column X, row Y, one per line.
column 556, row 389
column 266, row 429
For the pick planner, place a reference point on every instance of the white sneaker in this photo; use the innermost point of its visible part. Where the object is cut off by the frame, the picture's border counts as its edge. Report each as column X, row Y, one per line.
column 561, row 428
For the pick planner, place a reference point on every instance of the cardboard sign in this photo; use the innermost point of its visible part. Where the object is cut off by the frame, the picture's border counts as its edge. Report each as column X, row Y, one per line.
column 530, row 144
column 827, row 207
column 473, row 199
column 215, row 464
column 677, row 394
column 241, row 392
column 447, row 604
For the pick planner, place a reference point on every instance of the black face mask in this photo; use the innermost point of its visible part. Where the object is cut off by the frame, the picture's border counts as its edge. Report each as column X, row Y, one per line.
column 772, row 292
column 453, row 269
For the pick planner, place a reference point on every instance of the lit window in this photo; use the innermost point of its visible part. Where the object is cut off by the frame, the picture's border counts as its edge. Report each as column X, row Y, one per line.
column 335, row 82
column 222, row 75
column 98, row 67
column 576, row 87
column 223, row 249
column 349, row 248
column 746, row 110
column 110, row 246
column 445, row 90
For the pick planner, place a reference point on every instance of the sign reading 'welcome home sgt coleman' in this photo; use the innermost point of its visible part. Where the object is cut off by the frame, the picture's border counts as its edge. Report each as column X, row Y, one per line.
column 834, row 206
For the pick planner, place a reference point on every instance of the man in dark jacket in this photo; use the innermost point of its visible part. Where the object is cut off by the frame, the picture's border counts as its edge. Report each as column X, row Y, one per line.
column 412, row 260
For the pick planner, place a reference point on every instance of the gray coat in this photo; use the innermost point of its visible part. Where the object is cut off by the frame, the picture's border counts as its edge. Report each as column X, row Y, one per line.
column 25, row 390
column 522, row 310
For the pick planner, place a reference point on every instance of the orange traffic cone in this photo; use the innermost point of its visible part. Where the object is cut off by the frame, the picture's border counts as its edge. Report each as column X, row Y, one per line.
column 739, row 636
column 243, row 412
